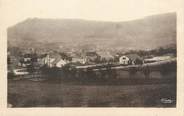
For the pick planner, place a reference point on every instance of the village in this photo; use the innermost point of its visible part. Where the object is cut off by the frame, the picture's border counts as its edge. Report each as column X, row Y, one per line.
column 31, row 61
column 52, row 74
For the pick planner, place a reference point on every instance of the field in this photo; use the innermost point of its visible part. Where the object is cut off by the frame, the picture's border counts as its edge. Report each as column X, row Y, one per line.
column 94, row 93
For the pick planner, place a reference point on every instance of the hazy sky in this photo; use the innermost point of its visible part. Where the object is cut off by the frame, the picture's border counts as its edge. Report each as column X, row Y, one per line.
column 15, row 11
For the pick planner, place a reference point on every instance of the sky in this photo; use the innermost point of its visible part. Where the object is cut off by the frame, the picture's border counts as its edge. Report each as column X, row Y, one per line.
column 14, row 11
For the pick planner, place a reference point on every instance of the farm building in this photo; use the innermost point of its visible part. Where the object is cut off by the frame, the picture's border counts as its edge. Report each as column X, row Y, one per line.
column 55, row 60
column 91, row 57
column 79, row 60
column 124, row 60
column 158, row 58
column 130, row 59
column 59, row 63
column 105, row 56
column 26, row 60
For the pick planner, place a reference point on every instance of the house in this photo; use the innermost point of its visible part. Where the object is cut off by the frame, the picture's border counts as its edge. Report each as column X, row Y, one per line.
column 42, row 59
column 105, row 56
column 61, row 63
column 133, row 59
column 91, row 57
column 158, row 58
column 25, row 61
column 55, row 60
column 79, row 60
column 50, row 62
column 124, row 60
column 65, row 56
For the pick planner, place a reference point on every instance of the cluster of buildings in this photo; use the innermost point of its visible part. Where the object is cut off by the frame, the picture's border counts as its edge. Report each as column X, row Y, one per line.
column 57, row 59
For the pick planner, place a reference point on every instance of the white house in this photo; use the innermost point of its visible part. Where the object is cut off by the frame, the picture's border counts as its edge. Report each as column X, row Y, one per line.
column 124, row 60
column 133, row 59
column 49, row 61
column 55, row 62
column 61, row 63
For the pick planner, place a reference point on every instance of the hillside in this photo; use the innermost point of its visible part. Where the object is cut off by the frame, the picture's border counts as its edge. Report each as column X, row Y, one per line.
column 147, row 33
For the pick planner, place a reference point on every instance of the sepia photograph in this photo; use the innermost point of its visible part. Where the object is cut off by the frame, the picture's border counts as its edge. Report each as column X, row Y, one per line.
column 122, row 56
column 89, row 62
